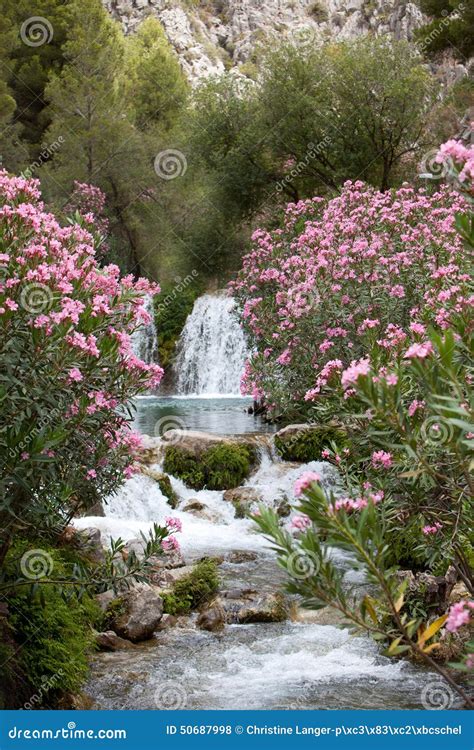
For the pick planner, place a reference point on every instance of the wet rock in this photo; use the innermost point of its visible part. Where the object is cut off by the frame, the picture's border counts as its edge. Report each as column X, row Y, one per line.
column 199, row 510
column 283, row 508
column 110, row 641
column 167, row 621
column 212, row 619
column 323, row 616
column 243, row 495
column 247, row 605
column 196, row 443
column 105, row 599
column 239, row 556
column 140, row 611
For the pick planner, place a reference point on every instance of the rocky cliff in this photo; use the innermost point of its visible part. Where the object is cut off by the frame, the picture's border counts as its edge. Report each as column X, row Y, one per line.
column 211, row 36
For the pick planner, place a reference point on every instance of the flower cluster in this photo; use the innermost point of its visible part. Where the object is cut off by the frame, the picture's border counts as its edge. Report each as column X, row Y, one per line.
column 66, row 355
column 365, row 268
column 459, row 615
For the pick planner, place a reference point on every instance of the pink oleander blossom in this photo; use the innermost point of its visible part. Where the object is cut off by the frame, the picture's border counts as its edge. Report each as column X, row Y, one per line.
column 459, row 615
column 305, row 481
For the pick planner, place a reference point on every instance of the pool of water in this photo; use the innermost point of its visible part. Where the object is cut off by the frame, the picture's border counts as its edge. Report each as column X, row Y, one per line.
column 221, row 415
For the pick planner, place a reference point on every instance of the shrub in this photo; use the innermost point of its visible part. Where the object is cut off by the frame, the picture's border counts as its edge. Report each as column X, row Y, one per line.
column 308, row 444
column 340, row 276
column 53, row 635
column 67, row 365
column 193, row 590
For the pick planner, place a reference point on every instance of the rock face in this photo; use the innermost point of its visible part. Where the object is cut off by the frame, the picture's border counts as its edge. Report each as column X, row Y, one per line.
column 247, row 605
column 141, row 610
column 212, row 37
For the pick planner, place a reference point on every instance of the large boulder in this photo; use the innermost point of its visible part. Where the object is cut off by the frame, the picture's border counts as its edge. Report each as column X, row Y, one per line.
column 247, row 605
column 137, row 613
column 214, row 462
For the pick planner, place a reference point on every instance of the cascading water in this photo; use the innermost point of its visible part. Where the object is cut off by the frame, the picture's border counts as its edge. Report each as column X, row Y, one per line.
column 212, row 349
column 144, row 339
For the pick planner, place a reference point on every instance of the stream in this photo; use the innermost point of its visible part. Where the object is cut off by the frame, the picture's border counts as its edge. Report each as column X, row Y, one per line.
column 304, row 663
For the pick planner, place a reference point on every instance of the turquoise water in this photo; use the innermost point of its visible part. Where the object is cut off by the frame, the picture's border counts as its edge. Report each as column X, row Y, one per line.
column 226, row 415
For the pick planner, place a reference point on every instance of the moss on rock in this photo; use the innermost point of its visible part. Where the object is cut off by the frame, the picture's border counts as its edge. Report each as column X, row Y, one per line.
column 192, row 590
column 219, row 467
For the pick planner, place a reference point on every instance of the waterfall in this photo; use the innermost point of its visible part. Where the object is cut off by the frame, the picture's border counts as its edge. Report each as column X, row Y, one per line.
column 144, row 339
column 212, row 348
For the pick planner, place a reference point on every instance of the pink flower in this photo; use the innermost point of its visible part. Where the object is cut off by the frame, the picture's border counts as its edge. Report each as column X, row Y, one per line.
column 174, row 524
column 301, row 522
column 459, row 615
column 24, row 456
column 91, row 474
column 170, row 544
column 419, row 351
column 382, row 459
column 352, row 373
column 391, row 379
column 74, row 375
column 427, row 530
column 415, row 406
column 305, row 481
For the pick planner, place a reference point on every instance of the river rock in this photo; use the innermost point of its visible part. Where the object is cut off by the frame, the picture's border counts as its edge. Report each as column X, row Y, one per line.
column 239, row 556
column 212, row 619
column 244, row 495
column 141, row 609
column 110, row 641
column 196, row 442
column 247, row 605
column 200, row 510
